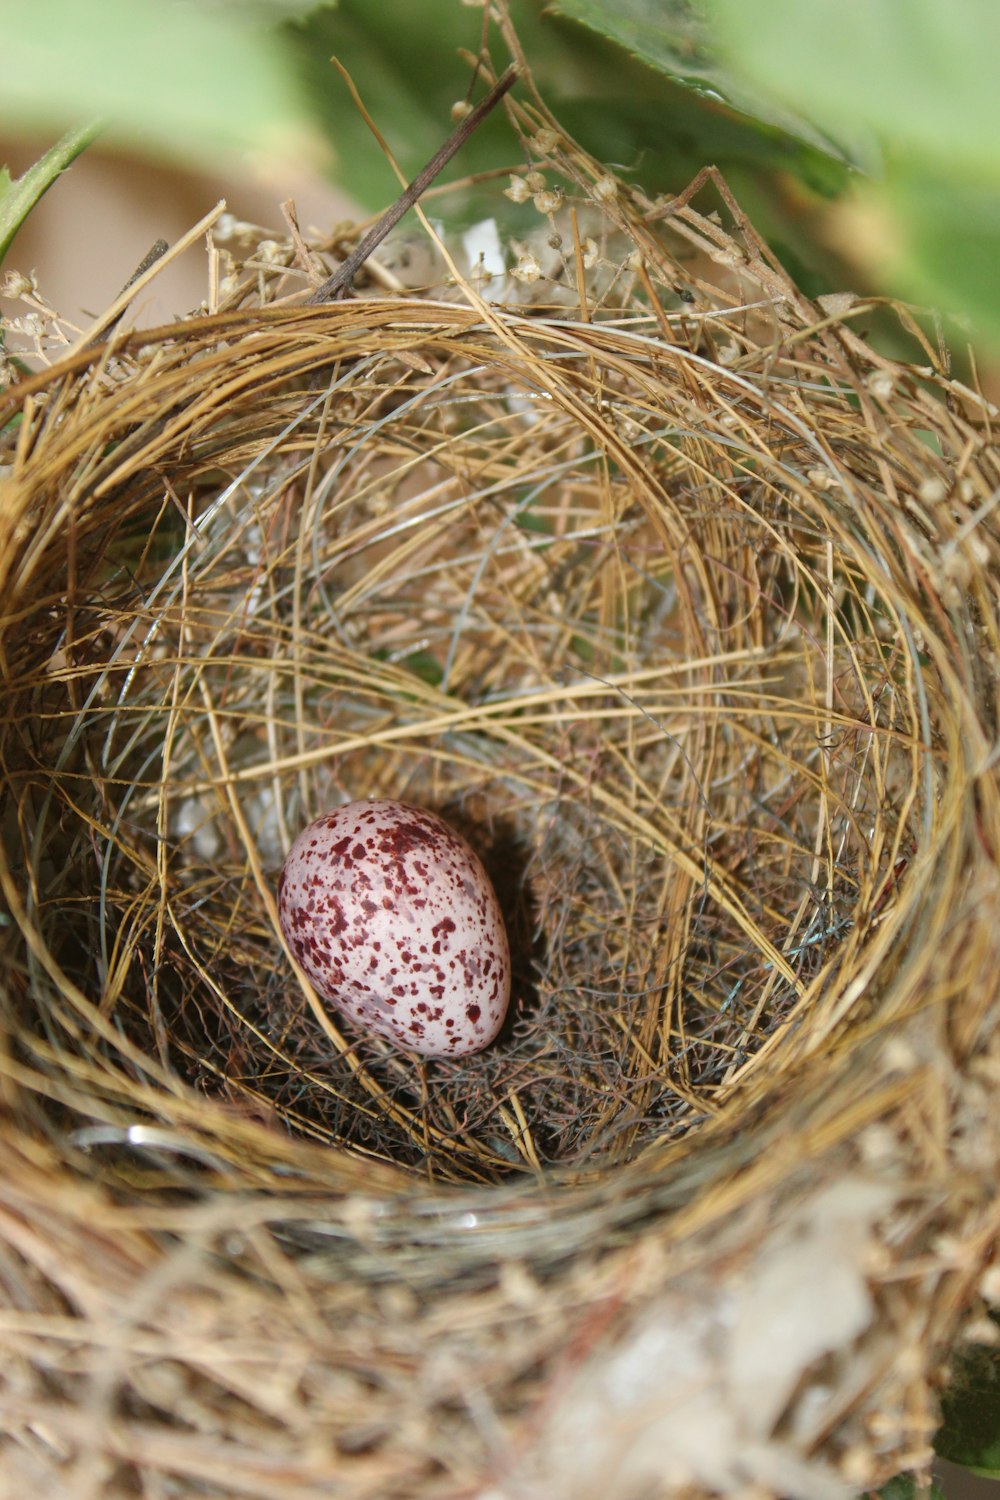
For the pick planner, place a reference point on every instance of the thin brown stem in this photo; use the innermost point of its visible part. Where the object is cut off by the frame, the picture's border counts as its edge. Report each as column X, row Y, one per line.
column 336, row 284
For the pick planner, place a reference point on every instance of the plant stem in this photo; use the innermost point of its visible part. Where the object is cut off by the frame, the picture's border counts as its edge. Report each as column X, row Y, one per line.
column 20, row 195
column 335, row 285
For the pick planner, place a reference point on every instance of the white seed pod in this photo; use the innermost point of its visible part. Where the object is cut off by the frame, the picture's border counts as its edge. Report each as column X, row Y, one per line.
column 527, row 269
column 548, row 201
column 17, row 284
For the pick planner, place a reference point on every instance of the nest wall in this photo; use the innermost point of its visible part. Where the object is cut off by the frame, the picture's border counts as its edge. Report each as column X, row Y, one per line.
column 680, row 601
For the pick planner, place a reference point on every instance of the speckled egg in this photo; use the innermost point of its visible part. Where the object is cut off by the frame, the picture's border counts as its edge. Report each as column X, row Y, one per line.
column 394, row 920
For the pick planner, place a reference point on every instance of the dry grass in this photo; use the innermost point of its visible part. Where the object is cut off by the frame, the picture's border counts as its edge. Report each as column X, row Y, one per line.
column 681, row 601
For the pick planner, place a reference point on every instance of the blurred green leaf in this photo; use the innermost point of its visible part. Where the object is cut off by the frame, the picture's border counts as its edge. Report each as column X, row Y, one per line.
column 951, row 258
column 425, row 665
column 904, row 1487
column 667, row 34
column 18, row 196
column 404, row 59
column 921, row 73
column 970, row 1431
column 673, row 37
column 179, row 81
column 269, row 10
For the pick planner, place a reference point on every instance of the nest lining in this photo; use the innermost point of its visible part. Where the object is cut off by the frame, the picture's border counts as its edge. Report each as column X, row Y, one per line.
column 500, row 607
column 676, row 612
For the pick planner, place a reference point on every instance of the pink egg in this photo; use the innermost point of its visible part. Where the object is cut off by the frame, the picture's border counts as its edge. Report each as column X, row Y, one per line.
column 394, row 920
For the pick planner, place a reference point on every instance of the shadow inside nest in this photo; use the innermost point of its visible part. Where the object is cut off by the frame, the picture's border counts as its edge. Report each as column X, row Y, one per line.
column 570, row 1083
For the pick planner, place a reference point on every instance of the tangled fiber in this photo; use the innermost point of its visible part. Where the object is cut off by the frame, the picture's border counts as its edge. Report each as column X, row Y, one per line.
column 679, row 599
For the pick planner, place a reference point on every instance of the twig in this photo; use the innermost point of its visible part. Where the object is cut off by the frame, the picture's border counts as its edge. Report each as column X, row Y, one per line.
column 337, row 284
column 155, row 253
column 139, row 279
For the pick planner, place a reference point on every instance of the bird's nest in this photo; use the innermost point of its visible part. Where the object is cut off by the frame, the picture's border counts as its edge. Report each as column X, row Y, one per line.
column 680, row 601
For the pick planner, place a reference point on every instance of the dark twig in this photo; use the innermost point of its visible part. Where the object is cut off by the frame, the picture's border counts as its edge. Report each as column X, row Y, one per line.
column 335, row 286
column 155, row 252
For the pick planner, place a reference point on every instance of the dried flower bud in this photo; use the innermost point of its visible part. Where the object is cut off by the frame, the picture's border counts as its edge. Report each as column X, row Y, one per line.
column 881, row 384
column 527, row 268
column 548, row 201
column 16, row 284
column 519, row 191
column 545, row 140
column 228, row 227
column 933, row 490
column 836, row 304
column 726, row 257
column 821, row 479
column 31, row 324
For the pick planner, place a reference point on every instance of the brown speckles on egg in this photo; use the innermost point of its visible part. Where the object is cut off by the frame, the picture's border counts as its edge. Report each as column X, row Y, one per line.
column 394, row 919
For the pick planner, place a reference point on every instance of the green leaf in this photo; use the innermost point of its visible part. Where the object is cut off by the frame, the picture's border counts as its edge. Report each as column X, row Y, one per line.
column 528, row 521
column 920, row 73
column 270, row 10
column 903, row 1487
column 425, row 665
column 174, row 80
column 951, row 257
column 18, row 197
column 404, row 59
column 970, row 1432
column 673, row 37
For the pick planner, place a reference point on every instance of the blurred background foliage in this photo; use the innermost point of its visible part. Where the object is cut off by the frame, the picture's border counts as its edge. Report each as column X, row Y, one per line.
column 861, row 136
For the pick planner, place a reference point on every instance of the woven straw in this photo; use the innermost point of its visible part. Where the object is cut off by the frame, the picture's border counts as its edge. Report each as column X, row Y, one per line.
column 681, row 601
